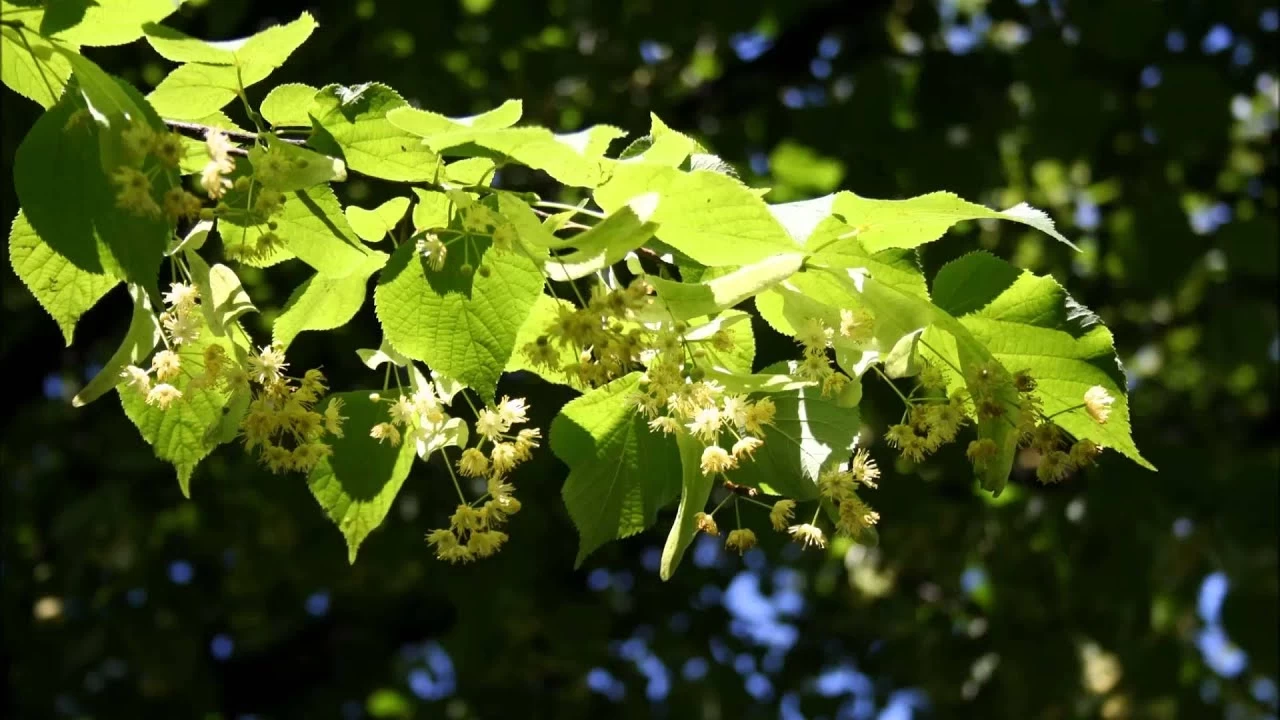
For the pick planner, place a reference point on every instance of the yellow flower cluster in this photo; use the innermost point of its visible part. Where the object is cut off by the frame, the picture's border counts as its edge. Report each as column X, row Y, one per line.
column 282, row 422
column 475, row 533
column 413, row 418
column 133, row 178
column 181, row 323
column 929, row 426
column 815, row 337
column 261, row 204
column 604, row 335
column 997, row 395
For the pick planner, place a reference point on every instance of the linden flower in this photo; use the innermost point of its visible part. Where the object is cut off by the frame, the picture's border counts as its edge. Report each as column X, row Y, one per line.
column 268, row 364
column 184, row 327
column 742, row 540
column 433, row 250
column 735, row 410
column 465, row 518
column 163, row 395
column 182, row 296
column 856, row 325
column 1053, row 467
column 473, row 463
column 715, row 459
column 782, row 511
column 808, row 535
column 746, row 446
column 980, row 452
column 165, row 365
column 484, row 544
column 385, row 431
column 526, row 441
column 706, row 424
column 864, row 469
column 504, row 456
column 212, row 182
column 813, row 334
column 666, row 425
column 402, row 411
column 759, row 414
column 332, row 417
column 512, row 412
column 1097, row 402
column 835, row 485
column 706, row 523
column 137, row 378
column 1084, row 452
column 490, row 425
column 218, row 147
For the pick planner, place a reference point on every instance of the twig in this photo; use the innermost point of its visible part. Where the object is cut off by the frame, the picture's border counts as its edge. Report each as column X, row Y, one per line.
column 201, row 130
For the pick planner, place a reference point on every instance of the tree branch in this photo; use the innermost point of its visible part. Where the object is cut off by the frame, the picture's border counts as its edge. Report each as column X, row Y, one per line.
column 193, row 129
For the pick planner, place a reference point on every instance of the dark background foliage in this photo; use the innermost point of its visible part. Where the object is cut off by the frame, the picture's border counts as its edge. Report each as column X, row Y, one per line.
column 1145, row 128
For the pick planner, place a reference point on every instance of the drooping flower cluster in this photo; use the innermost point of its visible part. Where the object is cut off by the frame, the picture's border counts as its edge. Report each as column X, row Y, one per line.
column 283, row 422
column 475, row 533
column 815, row 337
column 147, row 154
column 181, row 323
column 839, row 485
column 417, row 418
column 934, row 419
column 604, row 336
column 213, row 178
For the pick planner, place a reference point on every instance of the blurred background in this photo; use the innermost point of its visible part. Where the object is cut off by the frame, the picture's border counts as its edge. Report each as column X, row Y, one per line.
column 1145, row 128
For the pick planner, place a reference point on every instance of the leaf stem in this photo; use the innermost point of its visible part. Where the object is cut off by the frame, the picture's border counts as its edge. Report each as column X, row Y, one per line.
column 571, row 208
column 891, row 385
column 456, row 486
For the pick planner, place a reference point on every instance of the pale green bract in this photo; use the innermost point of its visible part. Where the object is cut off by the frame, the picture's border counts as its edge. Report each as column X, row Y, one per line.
column 480, row 280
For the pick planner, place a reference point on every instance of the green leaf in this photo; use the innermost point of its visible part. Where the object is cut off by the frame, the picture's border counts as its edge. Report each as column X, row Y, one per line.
column 293, row 167
column 223, row 299
column 60, row 15
column 142, row 337
column 287, row 105
column 374, row 225
column 425, row 123
column 65, row 291
column 313, row 227
column 194, row 91
column 572, row 159
column 215, row 73
column 909, row 223
column 186, row 432
column 808, row 431
column 688, row 300
column 325, row 303
column 662, row 146
column 465, row 327
column 712, row 218
column 545, row 311
column 358, row 483
column 114, row 22
column 30, row 66
column 620, row 473
column 55, row 163
column 352, row 122
column 695, row 489
column 1030, row 323
column 892, row 295
column 606, row 243
column 433, row 210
